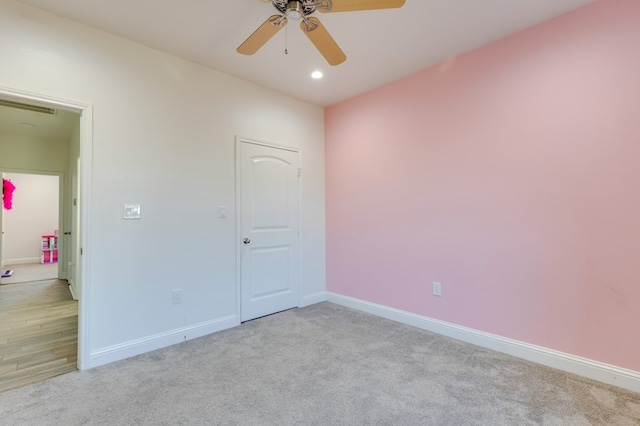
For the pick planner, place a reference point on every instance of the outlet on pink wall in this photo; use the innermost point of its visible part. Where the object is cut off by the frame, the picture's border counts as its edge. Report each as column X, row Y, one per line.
column 510, row 176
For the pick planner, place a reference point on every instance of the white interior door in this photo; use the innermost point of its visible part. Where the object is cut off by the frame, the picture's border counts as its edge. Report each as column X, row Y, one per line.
column 269, row 231
column 74, row 231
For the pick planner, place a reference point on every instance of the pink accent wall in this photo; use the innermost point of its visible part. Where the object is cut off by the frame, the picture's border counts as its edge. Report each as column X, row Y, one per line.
column 511, row 175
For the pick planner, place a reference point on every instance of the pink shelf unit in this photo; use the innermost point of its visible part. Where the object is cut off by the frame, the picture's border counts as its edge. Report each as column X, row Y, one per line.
column 49, row 249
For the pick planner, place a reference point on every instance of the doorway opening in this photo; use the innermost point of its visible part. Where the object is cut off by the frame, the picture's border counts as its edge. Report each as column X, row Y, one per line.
column 32, row 145
column 29, row 248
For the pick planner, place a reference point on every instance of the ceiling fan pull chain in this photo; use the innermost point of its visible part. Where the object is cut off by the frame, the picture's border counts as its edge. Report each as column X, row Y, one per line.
column 286, row 41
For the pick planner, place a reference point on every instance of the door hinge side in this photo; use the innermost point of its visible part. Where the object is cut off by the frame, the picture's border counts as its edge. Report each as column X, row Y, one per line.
column 299, row 171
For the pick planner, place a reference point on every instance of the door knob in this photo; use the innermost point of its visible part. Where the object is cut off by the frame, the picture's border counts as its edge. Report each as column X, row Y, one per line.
column 246, row 241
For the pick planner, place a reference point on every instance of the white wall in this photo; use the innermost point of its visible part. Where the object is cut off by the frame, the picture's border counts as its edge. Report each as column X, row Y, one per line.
column 34, row 213
column 163, row 136
column 20, row 152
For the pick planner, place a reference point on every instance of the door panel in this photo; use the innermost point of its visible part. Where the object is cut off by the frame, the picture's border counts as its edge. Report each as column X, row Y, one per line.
column 268, row 267
column 269, row 215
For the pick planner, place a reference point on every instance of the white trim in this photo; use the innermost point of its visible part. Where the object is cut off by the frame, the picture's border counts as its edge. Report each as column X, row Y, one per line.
column 609, row 374
column 253, row 141
column 162, row 340
column 22, row 261
column 83, row 278
column 42, row 100
column 72, row 290
column 238, row 227
column 86, row 181
column 312, row 299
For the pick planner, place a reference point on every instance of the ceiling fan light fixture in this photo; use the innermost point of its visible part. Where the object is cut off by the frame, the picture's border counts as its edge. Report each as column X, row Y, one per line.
column 294, row 10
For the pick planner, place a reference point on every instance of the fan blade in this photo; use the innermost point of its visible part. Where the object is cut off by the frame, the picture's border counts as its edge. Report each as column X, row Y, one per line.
column 262, row 35
column 353, row 5
column 323, row 41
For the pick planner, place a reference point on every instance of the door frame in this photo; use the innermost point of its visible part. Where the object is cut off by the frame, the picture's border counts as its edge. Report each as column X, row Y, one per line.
column 84, row 220
column 239, row 140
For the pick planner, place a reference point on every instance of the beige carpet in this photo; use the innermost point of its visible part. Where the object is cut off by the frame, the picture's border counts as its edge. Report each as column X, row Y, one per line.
column 27, row 272
column 321, row 365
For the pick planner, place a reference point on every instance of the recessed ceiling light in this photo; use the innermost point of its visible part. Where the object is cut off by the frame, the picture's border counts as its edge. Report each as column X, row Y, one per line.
column 316, row 74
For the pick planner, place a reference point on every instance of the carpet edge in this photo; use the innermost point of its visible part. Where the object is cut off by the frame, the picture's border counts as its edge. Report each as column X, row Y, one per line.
column 595, row 370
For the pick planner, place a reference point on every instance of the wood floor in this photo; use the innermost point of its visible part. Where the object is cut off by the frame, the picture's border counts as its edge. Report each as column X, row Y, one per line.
column 38, row 332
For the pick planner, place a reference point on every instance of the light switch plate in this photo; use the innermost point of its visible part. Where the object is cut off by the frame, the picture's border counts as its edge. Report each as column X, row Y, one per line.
column 224, row 212
column 132, row 211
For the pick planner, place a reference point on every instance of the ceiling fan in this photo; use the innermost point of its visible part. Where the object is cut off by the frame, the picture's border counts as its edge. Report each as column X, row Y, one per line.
column 300, row 10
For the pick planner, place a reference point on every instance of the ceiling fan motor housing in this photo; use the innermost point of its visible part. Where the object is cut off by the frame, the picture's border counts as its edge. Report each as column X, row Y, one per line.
column 295, row 9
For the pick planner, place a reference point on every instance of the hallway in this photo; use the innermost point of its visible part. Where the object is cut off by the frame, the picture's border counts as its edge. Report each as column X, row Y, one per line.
column 38, row 332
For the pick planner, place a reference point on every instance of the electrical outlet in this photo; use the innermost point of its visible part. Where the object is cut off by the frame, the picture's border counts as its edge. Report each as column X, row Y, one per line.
column 437, row 289
column 176, row 296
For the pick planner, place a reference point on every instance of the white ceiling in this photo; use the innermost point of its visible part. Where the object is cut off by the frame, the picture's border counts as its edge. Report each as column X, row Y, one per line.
column 381, row 45
column 56, row 127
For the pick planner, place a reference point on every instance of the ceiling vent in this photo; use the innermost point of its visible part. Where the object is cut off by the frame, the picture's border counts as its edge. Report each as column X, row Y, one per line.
column 27, row 107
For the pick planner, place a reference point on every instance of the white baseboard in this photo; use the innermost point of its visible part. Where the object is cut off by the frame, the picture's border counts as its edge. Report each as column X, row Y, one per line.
column 612, row 375
column 312, row 299
column 147, row 344
column 72, row 290
column 21, row 261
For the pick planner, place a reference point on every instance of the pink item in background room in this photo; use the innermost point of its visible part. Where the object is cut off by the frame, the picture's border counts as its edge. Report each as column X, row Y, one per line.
column 7, row 194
